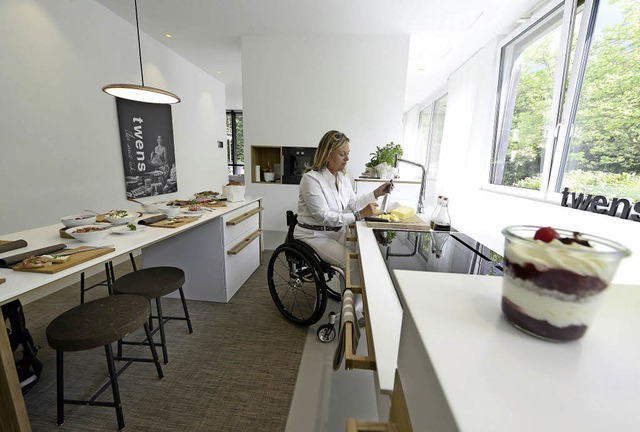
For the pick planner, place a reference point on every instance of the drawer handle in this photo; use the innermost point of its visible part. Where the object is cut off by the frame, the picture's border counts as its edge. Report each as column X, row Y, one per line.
column 244, row 243
column 244, row 216
column 351, row 360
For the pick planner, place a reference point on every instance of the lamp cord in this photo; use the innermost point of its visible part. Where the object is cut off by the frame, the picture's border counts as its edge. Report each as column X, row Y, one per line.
column 139, row 49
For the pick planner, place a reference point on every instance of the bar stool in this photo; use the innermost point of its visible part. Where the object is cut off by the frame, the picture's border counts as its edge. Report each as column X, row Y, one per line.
column 110, row 277
column 99, row 323
column 153, row 283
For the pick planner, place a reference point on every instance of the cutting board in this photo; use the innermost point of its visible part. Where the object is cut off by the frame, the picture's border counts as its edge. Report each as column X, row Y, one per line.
column 173, row 223
column 414, row 223
column 73, row 260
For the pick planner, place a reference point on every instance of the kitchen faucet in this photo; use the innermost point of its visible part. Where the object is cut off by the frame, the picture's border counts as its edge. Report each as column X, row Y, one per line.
column 423, row 183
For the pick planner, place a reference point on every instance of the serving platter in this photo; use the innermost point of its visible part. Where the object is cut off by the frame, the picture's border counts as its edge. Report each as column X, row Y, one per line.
column 75, row 259
column 124, row 229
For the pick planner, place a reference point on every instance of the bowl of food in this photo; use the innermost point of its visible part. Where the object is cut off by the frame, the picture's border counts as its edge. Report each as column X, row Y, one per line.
column 120, row 217
column 89, row 233
column 78, row 220
column 170, row 211
column 152, row 207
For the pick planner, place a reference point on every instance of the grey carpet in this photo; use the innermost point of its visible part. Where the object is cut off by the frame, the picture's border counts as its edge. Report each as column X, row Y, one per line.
column 236, row 372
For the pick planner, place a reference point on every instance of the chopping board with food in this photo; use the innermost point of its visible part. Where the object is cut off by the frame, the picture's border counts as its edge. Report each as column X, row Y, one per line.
column 173, row 222
column 401, row 218
column 54, row 263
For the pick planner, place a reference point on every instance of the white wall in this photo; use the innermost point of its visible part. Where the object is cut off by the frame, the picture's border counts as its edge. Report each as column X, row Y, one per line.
column 59, row 148
column 295, row 88
column 464, row 167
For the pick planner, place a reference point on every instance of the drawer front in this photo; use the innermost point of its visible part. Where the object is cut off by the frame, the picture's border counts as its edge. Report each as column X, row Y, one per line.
column 240, row 266
column 234, row 230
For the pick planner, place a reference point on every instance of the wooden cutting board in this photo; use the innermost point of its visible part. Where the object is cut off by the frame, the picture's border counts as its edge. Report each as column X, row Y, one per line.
column 414, row 223
column 175, row 223
column 73, row 260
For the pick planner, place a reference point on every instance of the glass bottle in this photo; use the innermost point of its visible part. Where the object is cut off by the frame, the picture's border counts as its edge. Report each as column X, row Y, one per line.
column 435, row 212
column 442, row 221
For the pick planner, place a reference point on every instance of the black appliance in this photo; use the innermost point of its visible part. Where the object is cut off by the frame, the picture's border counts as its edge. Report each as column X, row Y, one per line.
column 437, row 251
column 295, row 161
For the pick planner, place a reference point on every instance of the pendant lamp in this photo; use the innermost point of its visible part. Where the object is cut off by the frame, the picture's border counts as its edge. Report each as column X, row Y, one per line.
column 140, row 93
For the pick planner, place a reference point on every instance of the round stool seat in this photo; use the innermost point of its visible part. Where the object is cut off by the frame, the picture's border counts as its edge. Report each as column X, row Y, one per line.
column 151, row 282
column 98, row 322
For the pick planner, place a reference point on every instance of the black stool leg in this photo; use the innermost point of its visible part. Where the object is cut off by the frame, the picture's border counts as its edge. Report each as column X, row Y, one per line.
column 60, row 386
column 154, row 353
column 114, row 385
column 133, row 261
column 111, row 273
column 109, row 277
column 186, row 311
column 165, row 355
column 82, row 288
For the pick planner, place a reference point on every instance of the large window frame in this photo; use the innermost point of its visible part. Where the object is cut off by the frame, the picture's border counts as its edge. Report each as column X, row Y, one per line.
column 430, row 135
column 565, row 100
column 235, row 143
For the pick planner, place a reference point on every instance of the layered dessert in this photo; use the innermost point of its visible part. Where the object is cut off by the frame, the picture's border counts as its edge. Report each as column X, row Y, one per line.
column 554, row 279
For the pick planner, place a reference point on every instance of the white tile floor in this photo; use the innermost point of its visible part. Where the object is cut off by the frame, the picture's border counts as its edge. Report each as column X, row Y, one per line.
column 324, row 398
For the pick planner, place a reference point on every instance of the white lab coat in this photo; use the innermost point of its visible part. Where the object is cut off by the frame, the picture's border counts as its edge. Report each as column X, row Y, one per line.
column 320, row 202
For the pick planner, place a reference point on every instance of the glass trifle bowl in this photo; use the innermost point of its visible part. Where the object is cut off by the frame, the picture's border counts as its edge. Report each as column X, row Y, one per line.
column 554, row 279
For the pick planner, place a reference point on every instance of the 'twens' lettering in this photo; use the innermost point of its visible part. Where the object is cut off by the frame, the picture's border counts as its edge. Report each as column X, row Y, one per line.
column 600, row 204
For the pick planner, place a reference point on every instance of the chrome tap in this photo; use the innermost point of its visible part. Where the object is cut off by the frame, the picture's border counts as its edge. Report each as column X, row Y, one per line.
column 423, row 183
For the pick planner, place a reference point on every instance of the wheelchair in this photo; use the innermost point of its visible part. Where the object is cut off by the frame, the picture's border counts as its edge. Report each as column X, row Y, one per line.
column 297, row 279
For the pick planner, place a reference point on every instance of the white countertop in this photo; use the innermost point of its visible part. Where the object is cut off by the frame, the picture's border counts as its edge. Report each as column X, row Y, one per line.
column 384, row 307
column 19, row 283
column 497, row 378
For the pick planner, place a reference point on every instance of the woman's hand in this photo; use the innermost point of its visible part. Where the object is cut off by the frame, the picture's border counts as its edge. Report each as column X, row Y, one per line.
column 383, row 189
column 370, row 209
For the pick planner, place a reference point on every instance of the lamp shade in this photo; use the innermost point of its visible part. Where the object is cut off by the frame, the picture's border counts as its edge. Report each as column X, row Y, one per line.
column 141, row 93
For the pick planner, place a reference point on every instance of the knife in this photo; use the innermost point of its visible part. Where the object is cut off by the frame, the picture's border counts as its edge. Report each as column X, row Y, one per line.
column 71, row 252
column 375, row 219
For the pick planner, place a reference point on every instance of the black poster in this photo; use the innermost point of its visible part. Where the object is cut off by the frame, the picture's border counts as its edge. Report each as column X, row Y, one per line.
column 148, row 154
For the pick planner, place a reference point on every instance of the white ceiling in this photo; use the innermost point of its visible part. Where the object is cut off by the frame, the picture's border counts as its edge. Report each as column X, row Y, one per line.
column 443, row 33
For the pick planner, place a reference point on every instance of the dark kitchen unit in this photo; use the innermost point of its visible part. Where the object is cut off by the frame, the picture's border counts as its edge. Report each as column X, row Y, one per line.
column 437, row 251
column 295, row 161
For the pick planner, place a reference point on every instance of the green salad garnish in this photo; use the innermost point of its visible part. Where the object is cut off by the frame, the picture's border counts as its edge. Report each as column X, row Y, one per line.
column 132, row 227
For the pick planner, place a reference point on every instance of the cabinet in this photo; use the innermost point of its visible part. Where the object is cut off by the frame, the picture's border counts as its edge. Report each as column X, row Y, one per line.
column 263, row 158
column 218, row 256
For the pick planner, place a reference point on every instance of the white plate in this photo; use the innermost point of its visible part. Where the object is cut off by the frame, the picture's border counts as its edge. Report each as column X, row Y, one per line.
column 193, row 213
column 123, row 229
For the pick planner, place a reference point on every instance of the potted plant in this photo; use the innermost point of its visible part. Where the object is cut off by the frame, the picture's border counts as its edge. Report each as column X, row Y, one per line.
column 383, row 158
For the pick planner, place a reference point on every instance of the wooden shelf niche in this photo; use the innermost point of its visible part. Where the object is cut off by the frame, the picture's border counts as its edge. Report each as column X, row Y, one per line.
column 266, row 157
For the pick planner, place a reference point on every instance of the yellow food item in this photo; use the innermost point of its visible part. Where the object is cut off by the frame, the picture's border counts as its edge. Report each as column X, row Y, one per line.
column 389, row 217
column 403, row 212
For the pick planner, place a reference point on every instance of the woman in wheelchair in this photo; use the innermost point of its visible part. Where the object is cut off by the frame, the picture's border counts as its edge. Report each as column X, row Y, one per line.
column 299, row 268
column 327, row 202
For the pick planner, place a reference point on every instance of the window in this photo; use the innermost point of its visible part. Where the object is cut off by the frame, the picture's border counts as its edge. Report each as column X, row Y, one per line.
column 570, row 102
column 430, row 127
column 235, row 142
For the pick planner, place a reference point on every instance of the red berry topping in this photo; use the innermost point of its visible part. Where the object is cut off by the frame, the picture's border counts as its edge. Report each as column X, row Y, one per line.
column 546, row 234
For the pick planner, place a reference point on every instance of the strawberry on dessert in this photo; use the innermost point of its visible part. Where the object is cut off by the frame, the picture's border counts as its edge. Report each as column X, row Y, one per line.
column 554, row 278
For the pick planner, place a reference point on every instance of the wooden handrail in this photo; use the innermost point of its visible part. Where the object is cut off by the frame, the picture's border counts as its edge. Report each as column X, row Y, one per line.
column 244, row 242
column 244, row 216
column 351, row 360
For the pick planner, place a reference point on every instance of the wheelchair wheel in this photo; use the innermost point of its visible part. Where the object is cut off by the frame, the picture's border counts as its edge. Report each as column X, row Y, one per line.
column 297, row 285
column 326, row 333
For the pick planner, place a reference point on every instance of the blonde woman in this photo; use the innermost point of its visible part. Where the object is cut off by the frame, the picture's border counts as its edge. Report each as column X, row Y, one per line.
column 327, row 202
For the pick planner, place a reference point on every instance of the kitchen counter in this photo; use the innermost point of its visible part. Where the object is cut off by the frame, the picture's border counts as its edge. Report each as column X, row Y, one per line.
column 465, row 368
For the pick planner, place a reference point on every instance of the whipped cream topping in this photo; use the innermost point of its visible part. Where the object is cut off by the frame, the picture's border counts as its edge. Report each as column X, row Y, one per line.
column 547, row 306
column 573, row 257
